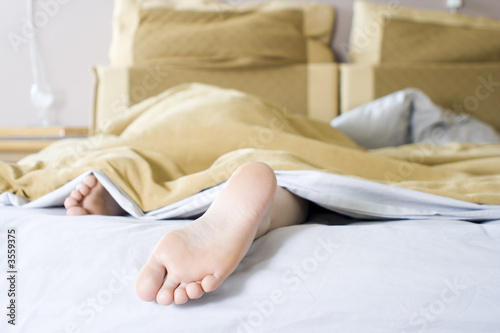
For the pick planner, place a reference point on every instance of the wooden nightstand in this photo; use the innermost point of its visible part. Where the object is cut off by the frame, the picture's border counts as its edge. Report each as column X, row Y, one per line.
column 18, row 142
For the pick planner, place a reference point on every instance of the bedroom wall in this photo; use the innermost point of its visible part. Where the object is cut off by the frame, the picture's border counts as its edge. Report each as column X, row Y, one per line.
column 74, row 36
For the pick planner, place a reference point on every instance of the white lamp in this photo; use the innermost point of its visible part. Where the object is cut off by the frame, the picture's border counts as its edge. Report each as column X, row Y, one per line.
column 454, row 5
column 42, row 96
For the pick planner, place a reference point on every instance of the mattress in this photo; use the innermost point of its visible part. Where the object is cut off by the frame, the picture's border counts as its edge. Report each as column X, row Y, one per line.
column 77, row 274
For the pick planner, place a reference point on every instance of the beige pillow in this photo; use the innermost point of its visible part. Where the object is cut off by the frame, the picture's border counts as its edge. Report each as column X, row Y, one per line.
column 208, row 34
column 408, row 41
column 383, row 33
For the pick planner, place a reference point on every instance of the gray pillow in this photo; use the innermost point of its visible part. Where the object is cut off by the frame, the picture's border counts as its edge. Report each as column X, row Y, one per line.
column 410, row 116
column 381, row 123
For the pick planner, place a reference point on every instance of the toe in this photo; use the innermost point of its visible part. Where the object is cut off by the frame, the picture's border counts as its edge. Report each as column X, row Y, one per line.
column 165, row 297
column 90, row 181
column 180, row 295
column 76, row 210
column 194, row 290
column 210, row 283
column 70, row 202
column 150, row 280
column 83, row 189
column 76, row 195
column 166, row 294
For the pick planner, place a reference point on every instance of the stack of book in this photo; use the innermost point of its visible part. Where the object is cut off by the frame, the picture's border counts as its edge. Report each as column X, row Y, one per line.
column 21, row 141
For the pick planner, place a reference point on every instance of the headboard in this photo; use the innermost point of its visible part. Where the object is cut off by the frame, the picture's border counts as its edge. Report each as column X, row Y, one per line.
column 158, row 44
column 278, row 50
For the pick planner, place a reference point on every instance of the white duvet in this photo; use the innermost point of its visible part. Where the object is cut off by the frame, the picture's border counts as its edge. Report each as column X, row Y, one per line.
column 342, row 194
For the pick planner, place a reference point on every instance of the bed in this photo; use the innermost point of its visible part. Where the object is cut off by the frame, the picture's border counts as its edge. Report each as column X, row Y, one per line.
column 410, row 244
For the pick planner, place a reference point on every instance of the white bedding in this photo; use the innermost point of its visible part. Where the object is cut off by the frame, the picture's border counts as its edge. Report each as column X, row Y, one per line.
column 410, row 116
column 346, row 195
column 77, row 274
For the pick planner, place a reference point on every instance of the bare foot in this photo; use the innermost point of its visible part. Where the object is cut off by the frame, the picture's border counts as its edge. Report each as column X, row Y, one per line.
column 198, row 257
column 90, row 197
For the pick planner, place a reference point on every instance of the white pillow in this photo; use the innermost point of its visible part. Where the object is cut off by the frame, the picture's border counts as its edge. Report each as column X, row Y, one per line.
column 452, row 127
column 381, row 123
column 410, row 116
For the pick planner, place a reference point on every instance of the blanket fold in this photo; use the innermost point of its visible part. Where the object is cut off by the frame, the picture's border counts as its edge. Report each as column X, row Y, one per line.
column 192, row 137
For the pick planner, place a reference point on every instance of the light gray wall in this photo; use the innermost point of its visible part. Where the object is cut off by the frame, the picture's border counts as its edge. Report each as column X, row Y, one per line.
column 75, row 37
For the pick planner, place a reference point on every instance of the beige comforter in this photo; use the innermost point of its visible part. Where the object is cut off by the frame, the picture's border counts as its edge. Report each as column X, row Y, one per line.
column 193, row 137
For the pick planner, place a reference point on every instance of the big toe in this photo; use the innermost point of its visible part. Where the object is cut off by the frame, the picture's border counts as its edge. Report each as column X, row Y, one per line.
column 150, row 280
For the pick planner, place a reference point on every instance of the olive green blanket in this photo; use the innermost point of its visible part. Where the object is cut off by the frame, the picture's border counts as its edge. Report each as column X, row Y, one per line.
column 192, row 137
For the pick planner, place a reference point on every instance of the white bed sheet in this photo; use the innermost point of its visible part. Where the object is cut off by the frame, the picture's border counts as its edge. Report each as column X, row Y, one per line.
column 77, row 274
